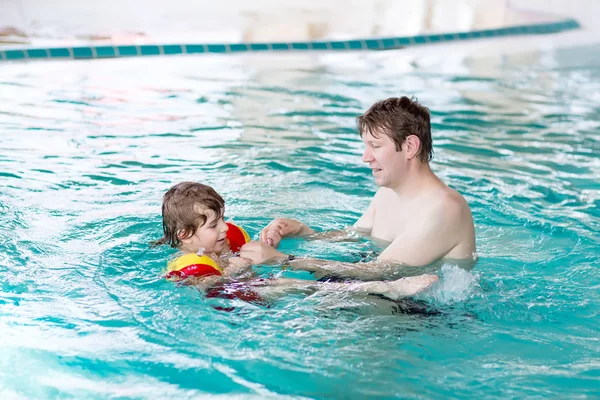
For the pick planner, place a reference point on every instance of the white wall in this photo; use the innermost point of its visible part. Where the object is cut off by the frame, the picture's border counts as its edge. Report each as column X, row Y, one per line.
column 243, row 20
column 587, row 12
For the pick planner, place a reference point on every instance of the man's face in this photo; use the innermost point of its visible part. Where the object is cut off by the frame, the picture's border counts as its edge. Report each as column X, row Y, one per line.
column 211, row 236
column 387, row 164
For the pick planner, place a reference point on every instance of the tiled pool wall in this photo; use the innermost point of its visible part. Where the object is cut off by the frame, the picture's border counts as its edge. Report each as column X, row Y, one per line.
column 384, row 43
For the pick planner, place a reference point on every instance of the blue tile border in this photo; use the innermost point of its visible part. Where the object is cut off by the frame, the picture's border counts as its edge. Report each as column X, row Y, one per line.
column 83, row 52
column 14, row 54
column 60, row 52
column 37, row 53
column 151, row 50
column 259, row 47
column 127, row 51
column 105, row 52
column 174, row 49
column 387, row 43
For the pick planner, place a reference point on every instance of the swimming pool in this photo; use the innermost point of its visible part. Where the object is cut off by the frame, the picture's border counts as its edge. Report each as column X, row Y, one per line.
column 88, row 148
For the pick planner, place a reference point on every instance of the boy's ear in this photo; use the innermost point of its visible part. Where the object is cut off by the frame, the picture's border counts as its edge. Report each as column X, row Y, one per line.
column 182, row 235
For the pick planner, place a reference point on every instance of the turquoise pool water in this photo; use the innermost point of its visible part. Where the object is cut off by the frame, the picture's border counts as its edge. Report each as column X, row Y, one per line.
column 88, row 149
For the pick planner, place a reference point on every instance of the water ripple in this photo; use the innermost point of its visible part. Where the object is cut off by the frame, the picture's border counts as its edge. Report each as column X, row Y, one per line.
column 89, row 148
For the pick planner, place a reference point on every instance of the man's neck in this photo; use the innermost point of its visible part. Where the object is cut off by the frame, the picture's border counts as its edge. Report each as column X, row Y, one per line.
column 418, row 177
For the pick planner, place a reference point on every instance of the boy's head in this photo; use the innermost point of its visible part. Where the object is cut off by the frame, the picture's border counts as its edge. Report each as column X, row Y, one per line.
column 193, row 218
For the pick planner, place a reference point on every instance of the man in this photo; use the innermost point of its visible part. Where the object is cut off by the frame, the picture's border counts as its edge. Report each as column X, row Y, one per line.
column 423, row 219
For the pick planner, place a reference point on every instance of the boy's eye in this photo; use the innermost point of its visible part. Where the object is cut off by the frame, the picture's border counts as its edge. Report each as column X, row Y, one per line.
column 215, row 223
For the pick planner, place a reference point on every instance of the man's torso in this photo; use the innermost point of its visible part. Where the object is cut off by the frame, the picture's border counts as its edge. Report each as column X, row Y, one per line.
column 394, row 218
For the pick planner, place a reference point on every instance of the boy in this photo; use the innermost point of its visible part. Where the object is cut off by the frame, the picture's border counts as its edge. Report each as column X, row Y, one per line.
column 193, row 223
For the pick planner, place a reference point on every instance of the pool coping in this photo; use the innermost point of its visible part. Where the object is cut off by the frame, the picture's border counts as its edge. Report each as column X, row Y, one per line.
column 383, row 43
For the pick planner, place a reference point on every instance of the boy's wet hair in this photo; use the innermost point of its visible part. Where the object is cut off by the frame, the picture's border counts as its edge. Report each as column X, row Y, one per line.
column 399, row 118
column 180, row 210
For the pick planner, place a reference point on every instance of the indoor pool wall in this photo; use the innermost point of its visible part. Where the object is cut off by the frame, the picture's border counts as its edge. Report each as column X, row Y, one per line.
column 384, row 43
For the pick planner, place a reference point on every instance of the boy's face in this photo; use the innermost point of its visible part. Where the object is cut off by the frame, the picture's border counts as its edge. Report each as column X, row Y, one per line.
column 211, row 236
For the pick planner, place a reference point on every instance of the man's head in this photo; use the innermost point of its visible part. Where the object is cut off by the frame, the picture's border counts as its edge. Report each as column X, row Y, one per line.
column 396, row 132
column 193, row 218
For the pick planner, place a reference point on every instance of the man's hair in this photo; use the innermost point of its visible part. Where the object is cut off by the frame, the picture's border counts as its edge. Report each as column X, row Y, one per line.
column 399, row 118
column 179, row 210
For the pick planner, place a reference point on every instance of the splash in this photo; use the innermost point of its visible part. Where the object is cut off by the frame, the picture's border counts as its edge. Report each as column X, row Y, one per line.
column 455, row 285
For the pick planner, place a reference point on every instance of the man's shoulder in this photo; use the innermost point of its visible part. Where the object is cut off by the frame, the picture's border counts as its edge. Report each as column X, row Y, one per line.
column 450, row 204
column 380, row 197
column 456, row 221
column 435, row 201
column 455, row 199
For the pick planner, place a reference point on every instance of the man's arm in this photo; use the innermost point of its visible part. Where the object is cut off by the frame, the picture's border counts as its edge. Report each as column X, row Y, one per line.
column 349, row 234
column 365, row 222
column 283, row 227
column 374, row 270
column 406, row 255
column 420, row 246
column 435, row 237
column 280, row 228
column 261, row 253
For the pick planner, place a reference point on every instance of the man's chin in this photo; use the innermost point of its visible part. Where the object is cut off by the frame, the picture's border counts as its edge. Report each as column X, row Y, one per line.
column 381, row 182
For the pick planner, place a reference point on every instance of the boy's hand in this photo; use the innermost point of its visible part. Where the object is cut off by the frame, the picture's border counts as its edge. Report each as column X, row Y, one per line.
column 283, row 227
column 261, row 253
column 237, row 265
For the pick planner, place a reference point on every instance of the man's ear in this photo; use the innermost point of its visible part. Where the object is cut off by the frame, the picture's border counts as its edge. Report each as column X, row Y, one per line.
column 412, row 145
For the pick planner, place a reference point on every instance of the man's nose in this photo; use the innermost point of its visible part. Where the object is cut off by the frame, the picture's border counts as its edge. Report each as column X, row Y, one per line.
column 367, row 155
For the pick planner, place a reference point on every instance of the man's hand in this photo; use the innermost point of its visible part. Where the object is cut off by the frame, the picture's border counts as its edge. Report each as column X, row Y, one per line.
column 261, row 253
column 283, row 227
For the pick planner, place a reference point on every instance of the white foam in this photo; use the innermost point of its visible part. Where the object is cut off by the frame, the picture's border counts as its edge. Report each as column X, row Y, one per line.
column 455, row 285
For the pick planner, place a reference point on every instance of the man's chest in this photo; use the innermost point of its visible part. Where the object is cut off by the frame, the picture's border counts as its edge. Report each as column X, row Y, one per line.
column 395, row 218
column 389, row 223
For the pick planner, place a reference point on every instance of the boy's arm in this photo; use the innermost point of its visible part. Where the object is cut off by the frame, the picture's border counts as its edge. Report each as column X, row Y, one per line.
column 280, row 228
column 205, row 282
column 237, row 266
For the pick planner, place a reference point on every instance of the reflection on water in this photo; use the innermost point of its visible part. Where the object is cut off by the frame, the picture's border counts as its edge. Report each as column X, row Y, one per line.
column 88, row 149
